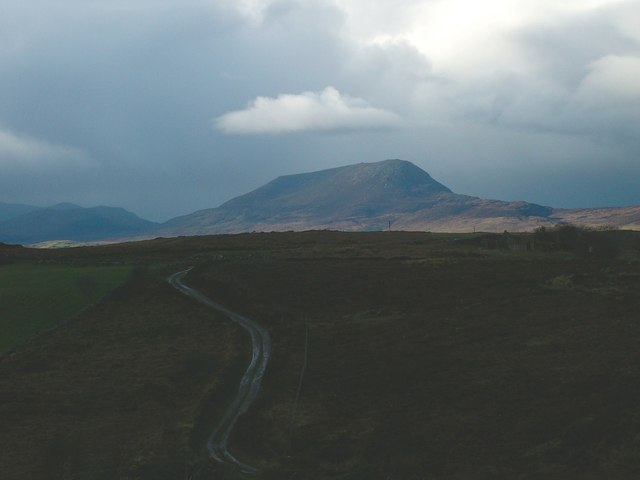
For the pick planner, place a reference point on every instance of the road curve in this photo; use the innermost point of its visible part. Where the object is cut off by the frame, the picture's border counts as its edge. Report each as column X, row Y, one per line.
column 250, row 382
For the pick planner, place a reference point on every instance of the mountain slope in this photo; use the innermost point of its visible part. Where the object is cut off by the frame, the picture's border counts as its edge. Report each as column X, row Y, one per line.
column 355, row 197
column 71, row 222
column 367, row 188
column 11, row 210
column 618, row 217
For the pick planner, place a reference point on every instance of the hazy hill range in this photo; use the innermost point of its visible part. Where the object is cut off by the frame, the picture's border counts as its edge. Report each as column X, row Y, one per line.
column 367, row 196
column 11, row 210
column 364, row 196
column 72, row 222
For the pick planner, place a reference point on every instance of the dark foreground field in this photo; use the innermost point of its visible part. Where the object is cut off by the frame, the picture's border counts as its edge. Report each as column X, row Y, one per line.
column 395, row 356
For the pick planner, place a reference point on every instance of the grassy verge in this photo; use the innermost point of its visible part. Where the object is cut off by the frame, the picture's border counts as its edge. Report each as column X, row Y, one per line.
column 35, row 298
column 120, row 393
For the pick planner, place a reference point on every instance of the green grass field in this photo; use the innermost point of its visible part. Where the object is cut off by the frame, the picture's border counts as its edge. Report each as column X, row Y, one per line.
column 34, row 298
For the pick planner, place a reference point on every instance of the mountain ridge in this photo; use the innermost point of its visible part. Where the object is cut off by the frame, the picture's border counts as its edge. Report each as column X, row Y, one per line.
column 353, row 197
column 365, row 196
column 11, row 210
column 66, row 221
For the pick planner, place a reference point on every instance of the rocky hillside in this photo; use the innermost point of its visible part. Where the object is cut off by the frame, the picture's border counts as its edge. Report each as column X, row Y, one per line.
column 365, row 196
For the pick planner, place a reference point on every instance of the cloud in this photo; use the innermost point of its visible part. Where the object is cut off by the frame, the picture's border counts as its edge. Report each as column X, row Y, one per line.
column 327, row 110
column 26, row 151
column 464, row 35
column 500, row 93
column 615, row 76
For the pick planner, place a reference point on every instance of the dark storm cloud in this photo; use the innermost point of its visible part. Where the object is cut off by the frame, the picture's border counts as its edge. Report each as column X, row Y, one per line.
column 113, row 102
column 584, row 83
column 136, row 88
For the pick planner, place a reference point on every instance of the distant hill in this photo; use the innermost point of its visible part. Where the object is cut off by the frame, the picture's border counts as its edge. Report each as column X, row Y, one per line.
column 11, row 210
column 66, row 221
column 365, row 196
column 618, row 217
column 65, row 206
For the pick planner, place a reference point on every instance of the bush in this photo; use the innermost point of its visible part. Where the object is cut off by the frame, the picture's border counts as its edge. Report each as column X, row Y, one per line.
column 581, row 240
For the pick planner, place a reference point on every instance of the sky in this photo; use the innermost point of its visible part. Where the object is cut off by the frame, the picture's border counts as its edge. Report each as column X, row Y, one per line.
column 165, row 107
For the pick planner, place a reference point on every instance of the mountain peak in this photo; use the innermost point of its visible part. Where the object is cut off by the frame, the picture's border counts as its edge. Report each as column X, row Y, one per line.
column 370, row 187
column 326, row 197
column 65, row 206
column 363, row 196
column 397, row 174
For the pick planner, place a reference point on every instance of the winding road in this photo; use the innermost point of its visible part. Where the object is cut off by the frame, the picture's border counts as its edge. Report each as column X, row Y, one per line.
column 217, row 444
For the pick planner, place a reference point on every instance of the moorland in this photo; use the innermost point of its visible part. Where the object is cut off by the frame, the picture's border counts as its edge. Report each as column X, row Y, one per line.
column 396, row 355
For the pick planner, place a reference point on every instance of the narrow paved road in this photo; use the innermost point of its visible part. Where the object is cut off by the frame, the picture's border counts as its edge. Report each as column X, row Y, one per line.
column 250, row 382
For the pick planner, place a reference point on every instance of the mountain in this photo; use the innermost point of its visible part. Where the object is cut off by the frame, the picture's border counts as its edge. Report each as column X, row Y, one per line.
column 11, row 210
column 67, row 221
column 65, row 206
column 365, row 196
column 619, row 217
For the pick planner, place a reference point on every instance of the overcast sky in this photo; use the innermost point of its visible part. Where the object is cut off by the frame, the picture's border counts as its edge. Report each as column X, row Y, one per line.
column 168, row 106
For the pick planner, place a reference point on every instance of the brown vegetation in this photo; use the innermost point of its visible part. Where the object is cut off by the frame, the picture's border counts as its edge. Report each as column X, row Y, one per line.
column 428, row 356
column 123, row 391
